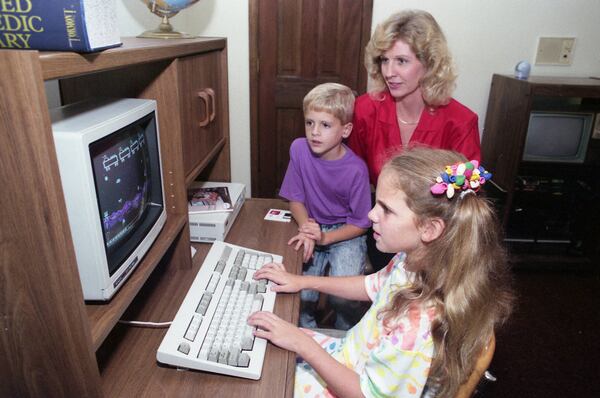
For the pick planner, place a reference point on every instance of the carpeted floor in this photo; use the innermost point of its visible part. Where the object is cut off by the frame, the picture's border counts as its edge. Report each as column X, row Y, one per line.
column 551, row 345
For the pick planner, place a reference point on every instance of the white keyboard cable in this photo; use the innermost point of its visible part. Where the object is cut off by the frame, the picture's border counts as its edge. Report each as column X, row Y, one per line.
column 155, row 325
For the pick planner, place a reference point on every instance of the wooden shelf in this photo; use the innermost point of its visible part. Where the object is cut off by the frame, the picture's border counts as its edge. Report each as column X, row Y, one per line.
column 134, row 51
column 130, row 368
column 214, row 152
column 39, row 276
column 104, row 316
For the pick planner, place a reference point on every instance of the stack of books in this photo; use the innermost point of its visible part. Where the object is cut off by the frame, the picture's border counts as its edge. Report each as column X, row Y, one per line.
column 59, row 25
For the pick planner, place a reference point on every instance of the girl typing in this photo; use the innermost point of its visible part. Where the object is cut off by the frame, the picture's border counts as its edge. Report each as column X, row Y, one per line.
column 434, row 306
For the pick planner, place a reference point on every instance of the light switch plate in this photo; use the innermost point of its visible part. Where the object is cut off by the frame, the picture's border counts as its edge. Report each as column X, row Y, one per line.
column 555, row 51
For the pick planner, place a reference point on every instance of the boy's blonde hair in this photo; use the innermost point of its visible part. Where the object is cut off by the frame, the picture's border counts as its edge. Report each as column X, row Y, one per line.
column 333, row 98
column 420, row 31
column 463, row 273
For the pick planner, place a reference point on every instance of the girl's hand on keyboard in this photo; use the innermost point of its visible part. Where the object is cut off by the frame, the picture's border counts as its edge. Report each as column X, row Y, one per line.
column 284, row 281
column 279, row 332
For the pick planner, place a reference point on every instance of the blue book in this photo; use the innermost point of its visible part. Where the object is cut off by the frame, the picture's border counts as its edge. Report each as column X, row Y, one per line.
column 61, row 25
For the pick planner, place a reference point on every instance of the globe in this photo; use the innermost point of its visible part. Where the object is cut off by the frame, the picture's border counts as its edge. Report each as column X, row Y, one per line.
column 166, row 9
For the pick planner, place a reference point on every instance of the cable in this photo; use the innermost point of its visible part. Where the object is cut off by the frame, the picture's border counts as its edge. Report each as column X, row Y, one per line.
column 146, row 324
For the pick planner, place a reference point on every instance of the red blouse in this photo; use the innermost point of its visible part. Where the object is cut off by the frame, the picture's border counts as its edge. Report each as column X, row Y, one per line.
column 376, row 134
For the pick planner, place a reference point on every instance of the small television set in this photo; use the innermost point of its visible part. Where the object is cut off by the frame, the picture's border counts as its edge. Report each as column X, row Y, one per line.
column 558, row 137
column 108, row 154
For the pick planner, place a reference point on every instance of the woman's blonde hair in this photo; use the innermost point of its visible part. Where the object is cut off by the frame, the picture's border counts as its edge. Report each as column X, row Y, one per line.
column 333, row 98
column 420, row 31
column 463, row 274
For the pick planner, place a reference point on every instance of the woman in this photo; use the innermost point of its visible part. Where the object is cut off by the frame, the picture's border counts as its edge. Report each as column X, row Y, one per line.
column 410, row 102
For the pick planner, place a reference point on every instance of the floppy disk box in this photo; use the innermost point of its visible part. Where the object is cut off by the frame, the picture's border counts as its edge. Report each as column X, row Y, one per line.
column 208, row 227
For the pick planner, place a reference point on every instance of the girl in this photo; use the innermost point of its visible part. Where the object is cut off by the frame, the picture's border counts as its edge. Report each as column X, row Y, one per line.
column 435, row 305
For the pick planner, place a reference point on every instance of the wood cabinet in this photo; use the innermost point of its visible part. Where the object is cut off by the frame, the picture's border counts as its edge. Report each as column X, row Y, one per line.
column 127, row 359
column 52, row 342
column 549, row 207
column 203, row 114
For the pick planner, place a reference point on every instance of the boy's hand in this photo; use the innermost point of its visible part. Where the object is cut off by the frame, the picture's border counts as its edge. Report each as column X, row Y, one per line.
column 303, row 240
column 312, row 229
column 284, row 281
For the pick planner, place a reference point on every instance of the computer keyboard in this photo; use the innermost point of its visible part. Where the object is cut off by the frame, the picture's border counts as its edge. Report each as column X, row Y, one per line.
column 210, row 331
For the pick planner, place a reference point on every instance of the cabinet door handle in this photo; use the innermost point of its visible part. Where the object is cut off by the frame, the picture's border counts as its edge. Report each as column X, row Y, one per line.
column 213, row 111
column 204, row 96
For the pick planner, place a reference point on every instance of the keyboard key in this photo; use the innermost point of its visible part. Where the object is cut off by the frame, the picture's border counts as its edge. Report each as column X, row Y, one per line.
column 190, row 334
column 212, row 284
column 257, row 302
column 220, row 266
column 233, row 357
column 204, row 303
column 244, row 360
column 262, row 286
column 184, row 348
column 225, row 254
column 248, row 340
column 239, row 258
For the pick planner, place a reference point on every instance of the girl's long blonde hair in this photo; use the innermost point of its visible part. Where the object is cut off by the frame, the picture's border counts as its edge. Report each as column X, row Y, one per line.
column 463, row 273
column 420, row 31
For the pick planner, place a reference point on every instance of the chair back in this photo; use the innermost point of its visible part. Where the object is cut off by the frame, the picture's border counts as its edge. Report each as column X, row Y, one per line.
column 483, row 362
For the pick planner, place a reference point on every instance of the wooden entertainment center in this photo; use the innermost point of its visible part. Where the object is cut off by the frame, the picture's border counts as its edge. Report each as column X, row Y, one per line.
column 549, row 209
column 52, row 342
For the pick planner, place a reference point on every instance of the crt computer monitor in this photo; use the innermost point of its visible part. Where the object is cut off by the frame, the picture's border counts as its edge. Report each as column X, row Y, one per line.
column 561, row 137
column 108, row 154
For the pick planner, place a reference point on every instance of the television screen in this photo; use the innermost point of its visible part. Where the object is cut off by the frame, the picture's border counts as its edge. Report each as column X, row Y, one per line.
column 121, row 163
column 557, row 137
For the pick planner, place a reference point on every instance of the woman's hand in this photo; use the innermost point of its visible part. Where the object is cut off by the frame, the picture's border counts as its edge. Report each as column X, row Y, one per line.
column 279, row 332
column 308, row 245
column 284, row 281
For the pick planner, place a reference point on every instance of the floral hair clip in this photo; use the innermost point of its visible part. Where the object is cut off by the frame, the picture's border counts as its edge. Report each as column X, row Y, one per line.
column 460, row 176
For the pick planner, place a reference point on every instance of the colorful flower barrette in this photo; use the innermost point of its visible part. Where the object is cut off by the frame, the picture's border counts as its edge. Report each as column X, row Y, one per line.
column 461, row 177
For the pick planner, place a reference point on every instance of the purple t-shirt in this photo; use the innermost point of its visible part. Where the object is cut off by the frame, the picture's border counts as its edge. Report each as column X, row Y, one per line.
column 333, row 191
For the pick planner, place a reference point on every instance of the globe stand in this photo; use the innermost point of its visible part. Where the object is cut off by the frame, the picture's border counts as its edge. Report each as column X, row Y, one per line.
column 165, row 31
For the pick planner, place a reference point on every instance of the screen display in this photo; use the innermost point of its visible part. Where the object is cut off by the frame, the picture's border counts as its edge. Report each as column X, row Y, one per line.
column 123, row 165
column 557, row 137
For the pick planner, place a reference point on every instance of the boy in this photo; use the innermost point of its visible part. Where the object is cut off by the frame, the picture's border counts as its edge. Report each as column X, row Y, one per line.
column 328, row 189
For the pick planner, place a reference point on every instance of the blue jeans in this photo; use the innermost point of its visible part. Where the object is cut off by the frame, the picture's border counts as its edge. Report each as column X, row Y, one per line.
column 346, row 258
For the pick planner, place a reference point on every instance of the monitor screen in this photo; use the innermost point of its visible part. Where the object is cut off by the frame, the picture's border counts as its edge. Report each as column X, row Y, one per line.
column 108, row 153
column 122, row 168
column 557, row 137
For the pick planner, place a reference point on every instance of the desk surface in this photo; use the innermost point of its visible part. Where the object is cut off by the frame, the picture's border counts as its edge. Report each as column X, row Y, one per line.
column 127, row 359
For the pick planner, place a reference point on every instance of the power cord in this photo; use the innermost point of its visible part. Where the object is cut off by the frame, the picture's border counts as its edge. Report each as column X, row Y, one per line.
column 155, row 325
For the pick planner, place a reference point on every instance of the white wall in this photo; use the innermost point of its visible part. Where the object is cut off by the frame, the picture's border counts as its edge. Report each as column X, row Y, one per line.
column 485, row 37
column 223, row 18
column 491, row 36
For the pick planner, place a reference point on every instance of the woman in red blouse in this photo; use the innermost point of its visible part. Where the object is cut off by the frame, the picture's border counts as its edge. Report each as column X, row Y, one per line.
column 410, row 100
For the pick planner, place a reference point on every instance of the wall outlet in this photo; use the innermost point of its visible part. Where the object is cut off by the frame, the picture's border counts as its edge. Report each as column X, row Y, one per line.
column 555, row 51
